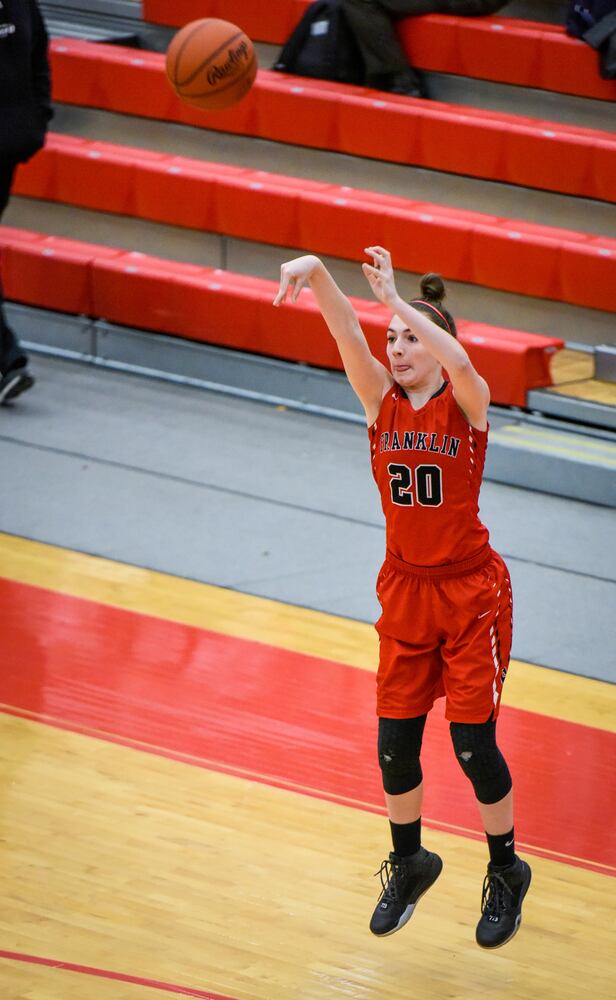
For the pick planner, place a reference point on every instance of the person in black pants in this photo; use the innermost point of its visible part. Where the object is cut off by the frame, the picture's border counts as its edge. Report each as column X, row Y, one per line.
column 372, row 23
column 25, row 111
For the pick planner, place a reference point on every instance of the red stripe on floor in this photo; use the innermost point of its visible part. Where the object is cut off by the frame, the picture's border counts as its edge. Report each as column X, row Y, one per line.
column 282, row 717
column 154, row 984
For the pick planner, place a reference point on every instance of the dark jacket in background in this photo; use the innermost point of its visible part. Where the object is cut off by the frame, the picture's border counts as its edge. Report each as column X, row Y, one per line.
column 25, row 110
column 25, row 86
column 595, row 23
column 372, row 23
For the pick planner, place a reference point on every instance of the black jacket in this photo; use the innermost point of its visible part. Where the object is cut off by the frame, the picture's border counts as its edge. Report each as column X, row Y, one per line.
column 25, row 85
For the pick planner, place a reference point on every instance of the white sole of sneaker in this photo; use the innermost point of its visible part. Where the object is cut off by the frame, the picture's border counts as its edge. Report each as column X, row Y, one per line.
column 495, row 947
column 404, row 919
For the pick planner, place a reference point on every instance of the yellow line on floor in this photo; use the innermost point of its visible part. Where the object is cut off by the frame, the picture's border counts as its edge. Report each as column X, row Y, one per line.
column 547, row 444
column 574, row 440
column 314, row 633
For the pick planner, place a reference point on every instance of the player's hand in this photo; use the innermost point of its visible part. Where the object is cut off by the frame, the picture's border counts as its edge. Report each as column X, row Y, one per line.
column 293, row 275
column 380, row 274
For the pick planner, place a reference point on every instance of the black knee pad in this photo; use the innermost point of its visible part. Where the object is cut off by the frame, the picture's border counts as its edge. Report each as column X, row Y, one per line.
column 399, row 748
column 481, row 760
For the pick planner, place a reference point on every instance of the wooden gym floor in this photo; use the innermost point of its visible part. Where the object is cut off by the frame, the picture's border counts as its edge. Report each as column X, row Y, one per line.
column 192, row 805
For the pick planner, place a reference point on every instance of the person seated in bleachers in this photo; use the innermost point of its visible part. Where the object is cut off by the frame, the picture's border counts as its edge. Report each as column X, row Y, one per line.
column 373, row 25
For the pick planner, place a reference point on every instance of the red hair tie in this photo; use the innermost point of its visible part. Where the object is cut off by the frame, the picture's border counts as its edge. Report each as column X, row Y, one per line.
column 422, row 302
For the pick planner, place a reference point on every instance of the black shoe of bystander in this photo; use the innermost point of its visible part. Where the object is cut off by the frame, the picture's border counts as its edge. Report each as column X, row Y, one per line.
column 16, row 381
column 409, row 83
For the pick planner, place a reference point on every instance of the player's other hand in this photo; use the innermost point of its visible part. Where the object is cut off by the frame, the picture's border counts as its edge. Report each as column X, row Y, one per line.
column 293, row 276
column 380, row 274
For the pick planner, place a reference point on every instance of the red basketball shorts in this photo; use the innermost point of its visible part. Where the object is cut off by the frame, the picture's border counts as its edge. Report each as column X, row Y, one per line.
column 444, row 631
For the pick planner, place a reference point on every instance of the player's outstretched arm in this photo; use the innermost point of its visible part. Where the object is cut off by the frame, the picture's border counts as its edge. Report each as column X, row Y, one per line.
column 469, row 388
column 368, row 377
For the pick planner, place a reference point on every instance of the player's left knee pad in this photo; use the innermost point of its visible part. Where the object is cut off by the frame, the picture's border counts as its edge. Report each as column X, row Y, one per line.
column 399, row 749
column 481, row 760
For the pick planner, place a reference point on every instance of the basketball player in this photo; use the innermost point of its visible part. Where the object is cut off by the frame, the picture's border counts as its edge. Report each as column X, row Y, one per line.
column 445, row 627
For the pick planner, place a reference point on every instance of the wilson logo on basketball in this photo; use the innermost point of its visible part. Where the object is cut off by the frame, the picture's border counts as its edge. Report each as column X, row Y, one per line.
column 237, row 59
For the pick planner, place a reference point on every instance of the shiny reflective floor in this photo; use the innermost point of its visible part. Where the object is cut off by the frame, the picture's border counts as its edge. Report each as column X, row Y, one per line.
column 192, row 805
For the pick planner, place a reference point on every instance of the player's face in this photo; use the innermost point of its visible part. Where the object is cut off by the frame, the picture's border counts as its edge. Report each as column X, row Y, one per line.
column 411, row 364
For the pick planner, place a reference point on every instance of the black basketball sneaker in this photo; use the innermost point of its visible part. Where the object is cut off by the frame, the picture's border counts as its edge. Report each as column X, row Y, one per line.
column 404, row 881
column 501, row 903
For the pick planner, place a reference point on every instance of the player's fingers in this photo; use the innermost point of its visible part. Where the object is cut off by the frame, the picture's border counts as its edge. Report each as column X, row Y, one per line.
column 382, row 257
column 371, row 271
column 372, row 252
column 282, row 291
column 372, row 276
column 298, row 284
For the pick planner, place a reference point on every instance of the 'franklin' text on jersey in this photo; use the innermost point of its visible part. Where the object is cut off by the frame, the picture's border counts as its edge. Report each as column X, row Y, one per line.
column 428, row 465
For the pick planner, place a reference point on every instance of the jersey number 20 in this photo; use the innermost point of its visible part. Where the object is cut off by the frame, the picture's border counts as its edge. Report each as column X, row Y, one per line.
column 428, row 485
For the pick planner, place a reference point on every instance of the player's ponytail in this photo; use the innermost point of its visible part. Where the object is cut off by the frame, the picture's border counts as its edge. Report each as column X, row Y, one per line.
column 432, row 288
column 431, row 302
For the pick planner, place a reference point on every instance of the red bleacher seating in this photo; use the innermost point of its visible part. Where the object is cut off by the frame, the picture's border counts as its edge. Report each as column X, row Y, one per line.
column 133, row 74
column 180, row 192
column 353, row 120
column 512, row 255
column 232, row 310
column 9, row 236
column 137, row 290
column 504, row 50
column 501, row 49
column 50, row 272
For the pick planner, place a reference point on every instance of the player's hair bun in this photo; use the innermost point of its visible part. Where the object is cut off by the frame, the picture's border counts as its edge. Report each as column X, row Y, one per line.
column 432, row 288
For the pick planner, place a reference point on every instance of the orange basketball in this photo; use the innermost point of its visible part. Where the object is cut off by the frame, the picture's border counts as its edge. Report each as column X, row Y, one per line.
column 211, row 63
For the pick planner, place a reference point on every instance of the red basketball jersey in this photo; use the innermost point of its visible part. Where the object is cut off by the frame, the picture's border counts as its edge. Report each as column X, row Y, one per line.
column 428, row 465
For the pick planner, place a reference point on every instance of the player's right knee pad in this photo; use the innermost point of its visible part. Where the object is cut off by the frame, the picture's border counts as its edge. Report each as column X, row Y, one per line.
column 399, row 749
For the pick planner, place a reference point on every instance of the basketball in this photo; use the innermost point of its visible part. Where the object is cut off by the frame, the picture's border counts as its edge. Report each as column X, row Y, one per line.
column 211, row 64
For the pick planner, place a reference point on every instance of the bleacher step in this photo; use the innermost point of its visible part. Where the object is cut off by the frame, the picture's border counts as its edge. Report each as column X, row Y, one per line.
column 245, row 257
column 581, row 411
column 90, row 33
column 546, row 11
column 116, row 22
column 484, row 94
column 130, row 9
column 532, row 103
column 554, row 461
column 453, row 190
column 605, row 362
